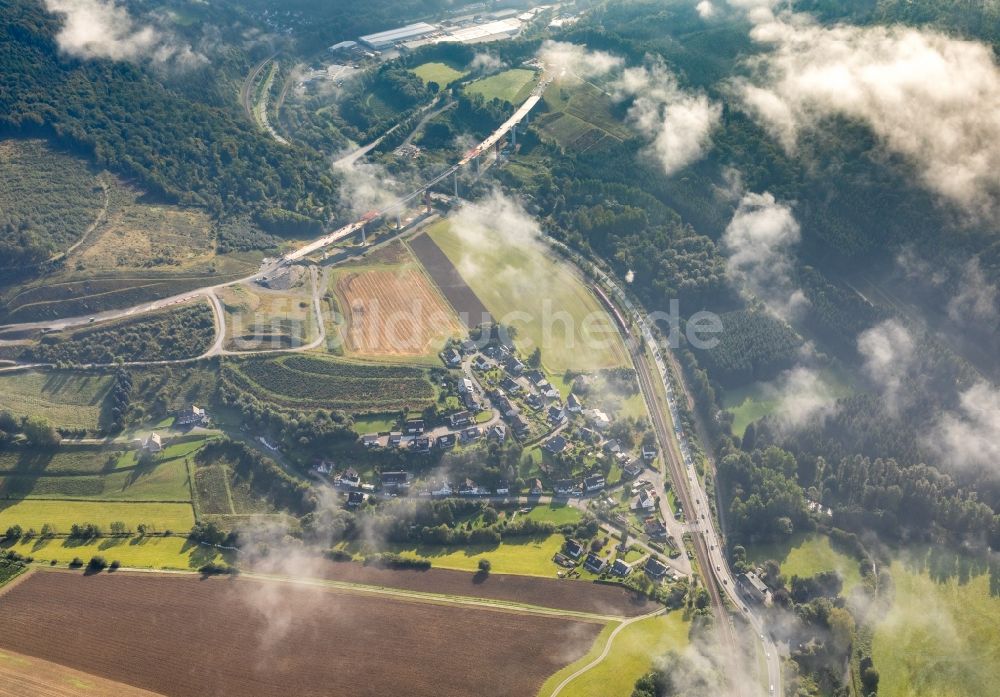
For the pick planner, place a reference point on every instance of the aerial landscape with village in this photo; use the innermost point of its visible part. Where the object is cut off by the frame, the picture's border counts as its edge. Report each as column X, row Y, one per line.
column 586, row 349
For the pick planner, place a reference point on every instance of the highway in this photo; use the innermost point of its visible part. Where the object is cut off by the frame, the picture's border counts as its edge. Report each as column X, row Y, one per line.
column 654, row 379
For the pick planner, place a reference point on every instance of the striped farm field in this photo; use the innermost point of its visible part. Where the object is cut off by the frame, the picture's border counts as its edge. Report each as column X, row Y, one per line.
column 71, row 400
column 394, row 312
column 313, row 382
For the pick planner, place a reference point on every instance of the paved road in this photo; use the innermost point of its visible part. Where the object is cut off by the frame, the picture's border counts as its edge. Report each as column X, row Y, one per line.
column 720, row 581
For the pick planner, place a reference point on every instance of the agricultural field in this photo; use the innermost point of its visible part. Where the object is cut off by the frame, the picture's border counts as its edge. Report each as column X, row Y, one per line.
column 70, row 400
column 175, row 552
column 441, row 73
column 940, row 636
column 181, row 332
column 393, row 311
column 269, row 318
column 450, row 282
column 632, row 655
column 580, row 117
column 55, row 194
column 512, row 86
column 573, row 596
column 62, row 514
column 312, row 382
column 162, row 390
column 223, row 497
column 30, row 675
column 518, row 281
column 158, row 481
column 528, row 556
column 807, row 555
column 383, row 645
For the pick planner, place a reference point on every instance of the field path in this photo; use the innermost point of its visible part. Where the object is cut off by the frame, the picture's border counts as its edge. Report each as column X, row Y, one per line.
column 604, row 654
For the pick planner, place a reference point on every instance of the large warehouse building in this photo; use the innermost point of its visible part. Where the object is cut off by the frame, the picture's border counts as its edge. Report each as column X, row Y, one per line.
column 387, row 39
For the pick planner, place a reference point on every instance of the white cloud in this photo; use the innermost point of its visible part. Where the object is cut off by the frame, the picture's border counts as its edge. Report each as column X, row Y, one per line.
column 976, row 300
column 803, row 397
column 485, row 62
column 679, row 123
column 105, row 29
column 563, row 58
column 929, row 97
column 705, row 9
column 970, row 437
column 890, row 358
column 759, row 241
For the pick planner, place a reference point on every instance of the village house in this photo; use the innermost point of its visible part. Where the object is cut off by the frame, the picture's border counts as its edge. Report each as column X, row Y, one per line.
column 414, row 426
column 535, row 376
column 534, row 401
column 654, row 527
column 598, row 419
column 191, row 416
column 621, row 568
column 612, row 447
column 573, row 404
column 459, row 419
column 515, row 366
column 565, row 487
column 573, row 549
column 451, row 358
column 349, row 478
column 469, row 346
column 648, row 452
column 594, row 564
column 655, row 568
column 395, row 481
column 633, row 469
column 446, row 441
column 753, row 587
column 369, row 440
column 503, row 488
column 355, row 499
column 395, row 438
column 153, row 443
column 466, row 386
column 481, row 364
column 471, row 434
column 499, row 431
column 594, row 482
column 510, row 384
column 520, row 425
column 556, row 415
column 536, row 488
column 556, row 444
column 645, row 501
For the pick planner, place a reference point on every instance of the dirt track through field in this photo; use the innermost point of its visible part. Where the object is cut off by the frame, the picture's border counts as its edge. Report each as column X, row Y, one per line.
column 575, row 596
column 184, row 636
column 466, row 303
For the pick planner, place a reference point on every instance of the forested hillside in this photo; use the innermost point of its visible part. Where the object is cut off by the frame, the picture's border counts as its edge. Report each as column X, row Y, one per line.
column 120, row 115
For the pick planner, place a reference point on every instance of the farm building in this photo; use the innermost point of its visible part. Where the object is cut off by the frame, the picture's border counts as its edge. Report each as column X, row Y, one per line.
column 191, row 416
column 152, row 444
column 391, row 37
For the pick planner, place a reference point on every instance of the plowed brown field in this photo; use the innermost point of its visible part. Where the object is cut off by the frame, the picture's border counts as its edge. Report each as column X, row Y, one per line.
column 576, row 596
column 394, row 312
column 186, row 636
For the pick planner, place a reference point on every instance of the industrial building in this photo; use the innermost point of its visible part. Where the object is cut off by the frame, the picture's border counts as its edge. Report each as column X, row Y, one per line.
column 388, row 39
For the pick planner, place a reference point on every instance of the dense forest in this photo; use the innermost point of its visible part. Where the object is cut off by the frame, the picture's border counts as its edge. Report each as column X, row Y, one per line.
column 123, row 118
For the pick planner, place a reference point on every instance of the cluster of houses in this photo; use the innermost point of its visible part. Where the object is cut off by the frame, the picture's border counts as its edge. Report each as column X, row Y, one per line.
column 596, row 564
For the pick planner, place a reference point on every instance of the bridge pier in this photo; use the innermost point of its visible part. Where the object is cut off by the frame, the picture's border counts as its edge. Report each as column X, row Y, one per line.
column 513, row 137
column 456, row 183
